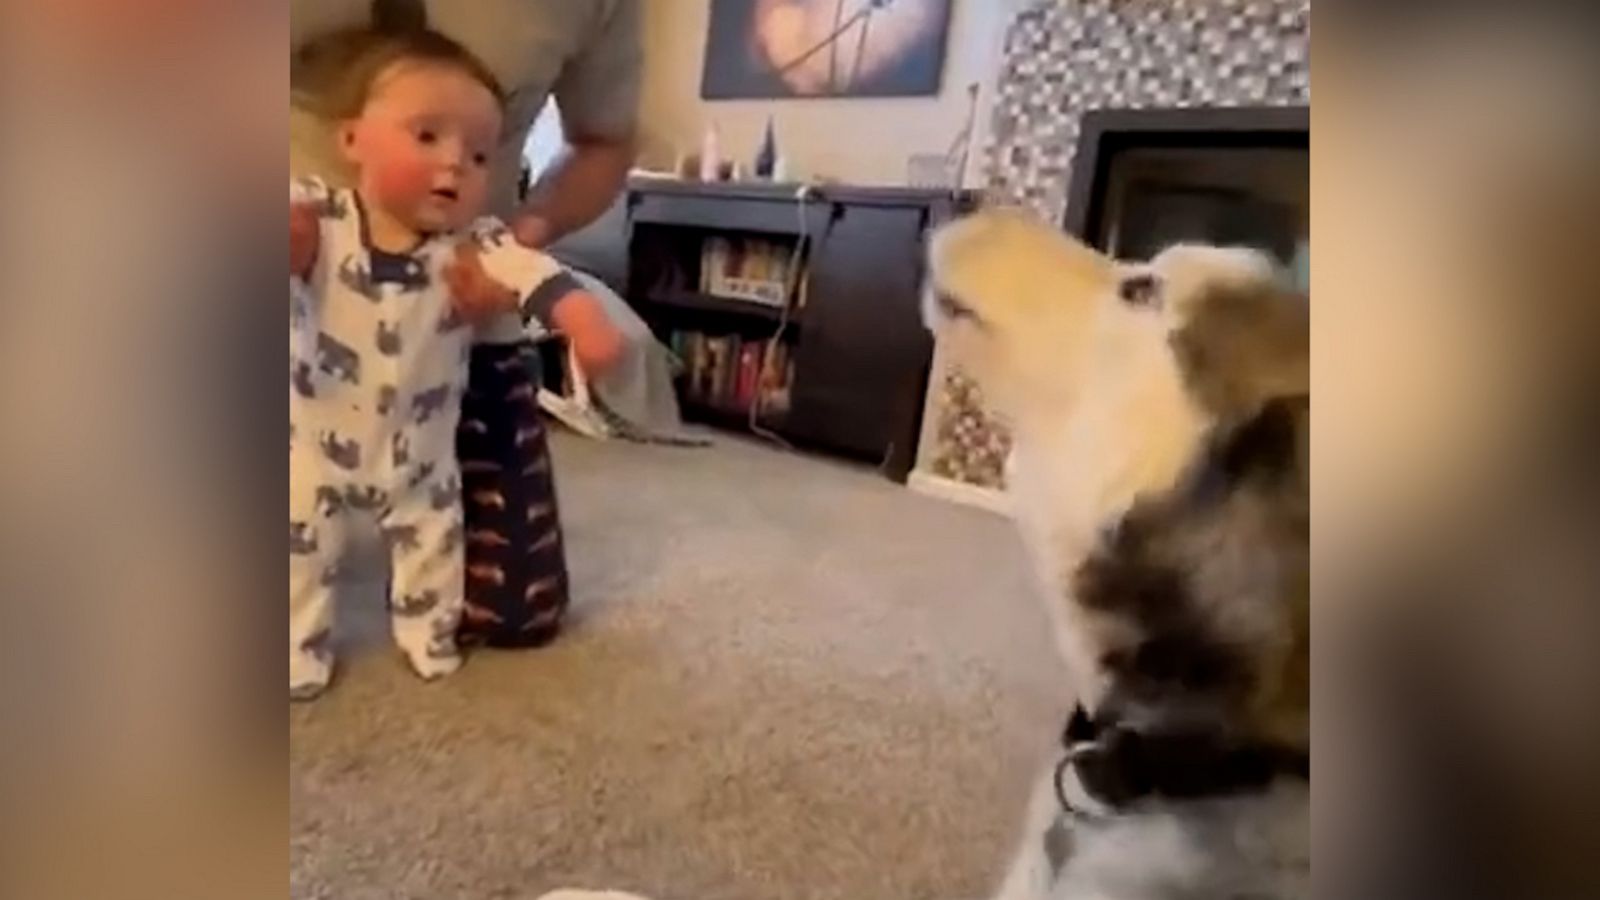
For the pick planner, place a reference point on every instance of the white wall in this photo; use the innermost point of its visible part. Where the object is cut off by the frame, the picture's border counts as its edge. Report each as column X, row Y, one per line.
column 545, row 139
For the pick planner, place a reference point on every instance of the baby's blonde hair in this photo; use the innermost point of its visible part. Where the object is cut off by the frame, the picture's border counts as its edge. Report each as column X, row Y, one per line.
column 334, row 77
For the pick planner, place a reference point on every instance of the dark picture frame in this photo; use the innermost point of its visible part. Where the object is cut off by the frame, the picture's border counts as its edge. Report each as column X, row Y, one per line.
column 737, row 66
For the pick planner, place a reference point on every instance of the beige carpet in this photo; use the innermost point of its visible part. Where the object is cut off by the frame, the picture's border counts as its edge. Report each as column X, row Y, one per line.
column 785, row 679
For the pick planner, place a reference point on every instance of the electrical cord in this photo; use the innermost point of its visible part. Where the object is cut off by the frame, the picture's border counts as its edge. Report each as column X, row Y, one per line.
column 802, row 243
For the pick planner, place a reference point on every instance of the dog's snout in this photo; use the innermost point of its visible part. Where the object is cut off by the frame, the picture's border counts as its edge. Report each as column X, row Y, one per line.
column 1139, row 290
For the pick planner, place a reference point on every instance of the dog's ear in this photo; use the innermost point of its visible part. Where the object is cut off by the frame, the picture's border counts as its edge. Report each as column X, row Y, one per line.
column 1241, row 347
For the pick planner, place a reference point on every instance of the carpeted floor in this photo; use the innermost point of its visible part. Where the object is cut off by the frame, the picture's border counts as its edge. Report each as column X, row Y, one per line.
column 784, row 679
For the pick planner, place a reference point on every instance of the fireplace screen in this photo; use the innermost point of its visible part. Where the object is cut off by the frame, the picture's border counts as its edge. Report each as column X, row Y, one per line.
column 1149, row 179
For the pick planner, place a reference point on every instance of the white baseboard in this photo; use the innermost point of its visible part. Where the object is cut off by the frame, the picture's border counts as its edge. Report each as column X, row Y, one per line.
column 990, row 499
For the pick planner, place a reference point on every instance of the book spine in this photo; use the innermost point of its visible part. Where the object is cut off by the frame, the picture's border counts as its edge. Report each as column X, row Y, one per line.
column 740, row 387
column 773, row 400
column 782, row 396
column 780, row 275
column 703, row 382
column 740, row 252
column 760, row 261
column 697, row 365
column 749, row 375
column 729, row 385
column 730, row 372
column 715, row 355
column 767, row 381
column 727, row 264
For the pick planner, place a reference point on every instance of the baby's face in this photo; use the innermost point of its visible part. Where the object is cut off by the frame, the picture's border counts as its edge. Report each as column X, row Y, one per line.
column 422, row 145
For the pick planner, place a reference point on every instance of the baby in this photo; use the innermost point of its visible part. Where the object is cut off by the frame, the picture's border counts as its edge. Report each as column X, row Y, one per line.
column 378, row 350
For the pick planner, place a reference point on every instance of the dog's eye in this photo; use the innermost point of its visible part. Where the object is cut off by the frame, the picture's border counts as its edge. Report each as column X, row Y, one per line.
column 953, row 308
column 1139, row 290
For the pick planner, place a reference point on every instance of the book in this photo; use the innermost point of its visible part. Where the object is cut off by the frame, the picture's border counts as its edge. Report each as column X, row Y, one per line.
column 728, row 387
column 716, row 370
column 785, row 387
column 738, row 259
column 750, row 373
column 771, row 390
column 733, row 374
column 752, row 269
column 758, row 264
column 714, row 260
column 702, row 366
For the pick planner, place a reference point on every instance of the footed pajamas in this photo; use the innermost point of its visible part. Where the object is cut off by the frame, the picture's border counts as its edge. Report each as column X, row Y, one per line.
column 378, row 365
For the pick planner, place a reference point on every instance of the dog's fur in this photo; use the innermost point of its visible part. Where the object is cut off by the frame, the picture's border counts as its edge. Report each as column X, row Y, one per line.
column 1158, row 477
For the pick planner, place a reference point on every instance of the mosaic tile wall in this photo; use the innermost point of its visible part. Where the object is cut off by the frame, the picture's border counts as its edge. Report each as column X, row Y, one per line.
column 1065, row 57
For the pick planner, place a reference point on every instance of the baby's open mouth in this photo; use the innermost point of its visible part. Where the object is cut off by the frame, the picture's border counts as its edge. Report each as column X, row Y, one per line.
column 446, row 194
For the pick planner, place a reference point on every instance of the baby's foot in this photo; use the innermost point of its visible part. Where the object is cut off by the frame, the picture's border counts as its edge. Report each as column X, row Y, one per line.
column 310, row 671
column 438, row 659
column 306, row 691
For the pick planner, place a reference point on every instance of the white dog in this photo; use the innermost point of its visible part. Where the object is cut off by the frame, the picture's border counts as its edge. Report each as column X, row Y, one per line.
column 1158, row 476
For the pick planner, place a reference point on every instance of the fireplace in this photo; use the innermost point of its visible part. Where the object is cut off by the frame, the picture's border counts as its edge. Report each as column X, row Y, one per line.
column 1148, row 178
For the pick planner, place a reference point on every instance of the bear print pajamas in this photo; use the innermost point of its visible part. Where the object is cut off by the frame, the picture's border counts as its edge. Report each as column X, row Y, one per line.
column 378, row 364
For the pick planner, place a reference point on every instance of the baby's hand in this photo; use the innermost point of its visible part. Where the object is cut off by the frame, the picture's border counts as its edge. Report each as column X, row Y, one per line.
column 596, row 343
column 475, row 295
column 304, row 236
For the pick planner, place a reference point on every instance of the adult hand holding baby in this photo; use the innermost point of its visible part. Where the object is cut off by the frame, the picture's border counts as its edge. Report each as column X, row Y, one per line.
column 532, row 231
column 476, row 296
column 580, row 316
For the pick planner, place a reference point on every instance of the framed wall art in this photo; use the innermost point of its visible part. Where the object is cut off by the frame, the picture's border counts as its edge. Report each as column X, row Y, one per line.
column 794, row 49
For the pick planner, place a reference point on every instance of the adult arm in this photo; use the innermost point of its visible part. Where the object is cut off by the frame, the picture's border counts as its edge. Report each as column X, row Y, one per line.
column 598, row 96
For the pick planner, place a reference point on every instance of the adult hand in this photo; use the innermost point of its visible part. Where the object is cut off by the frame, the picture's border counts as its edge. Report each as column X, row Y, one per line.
column 304, row 237
column 476, row 296
column 532, row 231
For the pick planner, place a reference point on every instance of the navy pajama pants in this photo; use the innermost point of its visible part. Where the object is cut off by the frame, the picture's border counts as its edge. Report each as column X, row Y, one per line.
column 517, row 583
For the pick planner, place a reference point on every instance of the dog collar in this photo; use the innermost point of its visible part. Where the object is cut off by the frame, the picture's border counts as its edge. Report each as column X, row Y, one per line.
column 1108, row 766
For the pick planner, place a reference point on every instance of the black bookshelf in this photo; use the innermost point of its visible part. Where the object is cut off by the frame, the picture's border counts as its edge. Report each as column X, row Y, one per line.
column 728, row 419
column 698, row 301
column 853, row 344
